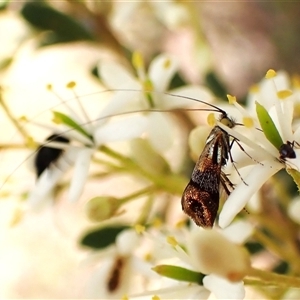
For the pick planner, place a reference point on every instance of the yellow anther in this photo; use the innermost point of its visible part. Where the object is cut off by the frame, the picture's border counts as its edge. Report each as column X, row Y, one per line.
column 30, row 142
column 254, row 89
column 180, row 224
column 139, row 228
column 283, row 94
column 157, row 223
column 71, row 84
column 248, row 122
column 56, row 119
column 211, row 120
column 49, row 87
column 172, row 241
column 270, row 74
column 231, row 99
column 148, row 257
column 148, row 86
column 137, row 60
column 23, row 119
column 167, row 63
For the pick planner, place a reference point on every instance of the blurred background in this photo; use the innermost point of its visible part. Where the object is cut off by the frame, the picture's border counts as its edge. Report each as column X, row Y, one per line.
column 227, row 46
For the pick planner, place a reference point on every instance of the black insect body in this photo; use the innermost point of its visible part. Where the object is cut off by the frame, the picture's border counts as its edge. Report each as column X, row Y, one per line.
column 46, row 155
column 287, row 150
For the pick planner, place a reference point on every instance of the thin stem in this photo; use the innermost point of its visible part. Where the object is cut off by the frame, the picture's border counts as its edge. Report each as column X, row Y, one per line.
column 137, row 194
column 282, row 245
column 13, row 146
column 168, row 181
column 270, row 278
column 13, row 119
column 145, row 211
column 269, row 243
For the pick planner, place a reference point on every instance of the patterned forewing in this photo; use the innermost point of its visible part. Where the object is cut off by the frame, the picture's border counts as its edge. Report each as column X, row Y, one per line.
column 200, row 200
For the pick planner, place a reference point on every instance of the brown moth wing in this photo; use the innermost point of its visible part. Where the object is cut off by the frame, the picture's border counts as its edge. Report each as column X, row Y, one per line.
column 200, row 200
column 199, row 205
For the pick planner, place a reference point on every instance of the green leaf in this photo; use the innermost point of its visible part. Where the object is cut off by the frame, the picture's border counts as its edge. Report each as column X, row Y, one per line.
column 254, row 247
column 3, row 4
column 179, row 273
column 296, row 176
column 281, row 268
column 177, row 81
column 45, row 17
column 62, row 118
column 103, row 237
column 268, row 126
column 215, row 85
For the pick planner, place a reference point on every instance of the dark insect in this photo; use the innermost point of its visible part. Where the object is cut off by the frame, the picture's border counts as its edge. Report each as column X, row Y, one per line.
column 287, row 150
column 113, row 282
column 200, row 199
column 46, row 155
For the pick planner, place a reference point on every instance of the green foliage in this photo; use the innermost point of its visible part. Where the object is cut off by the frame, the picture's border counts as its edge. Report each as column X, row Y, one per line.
column 296, row 176
column 101, row 238
column 64, row 119
column 268, row 126
column 63, row 27
column 3, row 4
column 215, row 85
column 179, row 273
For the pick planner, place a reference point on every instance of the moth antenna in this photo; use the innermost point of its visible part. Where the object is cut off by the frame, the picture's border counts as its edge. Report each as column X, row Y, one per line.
column 71, row 85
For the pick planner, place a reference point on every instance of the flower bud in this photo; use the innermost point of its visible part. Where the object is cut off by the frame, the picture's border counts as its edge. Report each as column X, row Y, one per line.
column 101, row 208
column 147, row 157
column 213, row 253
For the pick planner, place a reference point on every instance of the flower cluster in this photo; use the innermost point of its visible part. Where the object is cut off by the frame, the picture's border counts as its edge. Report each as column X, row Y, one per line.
column 133, row 171
column 137, row 132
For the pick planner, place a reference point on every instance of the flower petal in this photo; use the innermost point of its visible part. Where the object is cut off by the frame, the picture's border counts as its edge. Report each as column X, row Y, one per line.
column 160, row 131
column 123, row 101
column 80, row 174
column 190, row 91
column 242, row 193
column 49, row 179
column 224, row 289
column 238, row 232
column 161, row 71
column 115, row 76
column 207, row 249
column 44, row 186
column 121, row 130
column 127, row 241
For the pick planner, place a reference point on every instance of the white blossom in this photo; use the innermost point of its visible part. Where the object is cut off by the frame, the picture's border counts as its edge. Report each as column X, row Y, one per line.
column 267, row 156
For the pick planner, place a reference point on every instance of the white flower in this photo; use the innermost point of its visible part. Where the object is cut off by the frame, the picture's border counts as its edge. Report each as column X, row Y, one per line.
column 89, row 138
column 147, row 92
column 277, row 98
column 208, row 249
column 208, row 252
column 116, row 268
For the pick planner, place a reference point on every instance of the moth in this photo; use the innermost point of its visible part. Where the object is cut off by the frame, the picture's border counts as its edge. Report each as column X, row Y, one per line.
column 200, row 199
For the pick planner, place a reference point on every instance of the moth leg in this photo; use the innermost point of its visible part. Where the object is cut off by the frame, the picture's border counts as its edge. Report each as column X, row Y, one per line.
column 227, row 185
